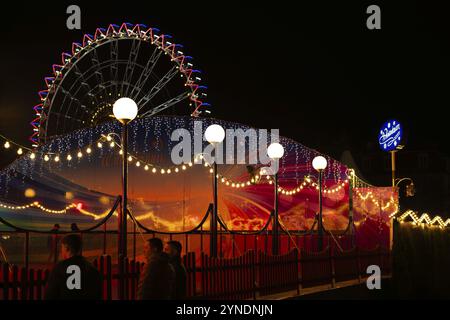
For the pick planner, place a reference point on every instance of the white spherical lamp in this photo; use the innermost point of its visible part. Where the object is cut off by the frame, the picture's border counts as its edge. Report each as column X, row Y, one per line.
column 275, row 151
column 125, row 110
column 214, row 134
column 319, row 163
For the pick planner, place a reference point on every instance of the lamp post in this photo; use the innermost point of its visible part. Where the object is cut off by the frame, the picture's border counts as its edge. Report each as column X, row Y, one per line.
column 319, row 164
column 214, row 134
column 275, row 152
column 125, row 110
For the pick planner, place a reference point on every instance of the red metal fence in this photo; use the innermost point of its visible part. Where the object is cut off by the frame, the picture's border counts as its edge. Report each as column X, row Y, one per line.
column 246, row 277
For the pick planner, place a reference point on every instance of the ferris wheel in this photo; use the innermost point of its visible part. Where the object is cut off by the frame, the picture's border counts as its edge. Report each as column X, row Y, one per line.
column 121, row 61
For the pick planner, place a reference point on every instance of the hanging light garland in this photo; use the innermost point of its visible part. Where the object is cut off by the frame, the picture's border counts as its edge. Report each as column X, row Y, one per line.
column 308, row 183
column 109, row 140
column 258, row 178
column 39, row 206
column 9, row 145
column 139, row 162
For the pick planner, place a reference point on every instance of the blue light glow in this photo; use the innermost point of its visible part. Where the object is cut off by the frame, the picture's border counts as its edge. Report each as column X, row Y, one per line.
column 390, row 135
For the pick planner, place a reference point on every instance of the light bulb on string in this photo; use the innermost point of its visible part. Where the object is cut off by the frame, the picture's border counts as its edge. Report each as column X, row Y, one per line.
column 88, row 150
column 99, row 145
column 80, row 154
column 19, row 151
column 56, row 159
column 130, row 158
column 69, row 157
column 7, row 145
column 32, row 156
column 111, row 145
column 46, row 158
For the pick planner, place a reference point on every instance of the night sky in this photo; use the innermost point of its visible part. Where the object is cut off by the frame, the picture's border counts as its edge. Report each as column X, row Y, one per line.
column 315, row 72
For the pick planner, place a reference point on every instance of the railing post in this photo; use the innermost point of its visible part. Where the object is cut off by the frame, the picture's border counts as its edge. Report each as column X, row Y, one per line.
column 296, row 268
column 134, row 241
column 5, row 281
column 358, row 261
column 350, row 210
column 333, row 271
column 31, row 281
column 24, row 283
column 253, row 271
column 108, row 278
column 15, row 282
column 104, row 238
column 55, row 250
column 27, row 251
column 213, row 218
column 39, row 285
column 275, row 233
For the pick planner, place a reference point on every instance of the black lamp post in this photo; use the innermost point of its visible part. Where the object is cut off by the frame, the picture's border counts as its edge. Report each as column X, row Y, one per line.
column 214, row 134
column 275, row 152
column 125, row 110
column 320, row 163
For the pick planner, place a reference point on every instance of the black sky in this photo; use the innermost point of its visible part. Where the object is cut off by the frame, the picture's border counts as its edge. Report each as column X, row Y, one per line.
column 314, row 71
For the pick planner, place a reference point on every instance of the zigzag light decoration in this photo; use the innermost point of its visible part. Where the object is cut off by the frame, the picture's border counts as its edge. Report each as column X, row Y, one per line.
column 424, row 219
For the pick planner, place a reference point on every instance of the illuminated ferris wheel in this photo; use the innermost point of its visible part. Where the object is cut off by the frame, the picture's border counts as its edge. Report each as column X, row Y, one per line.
column 121, row 61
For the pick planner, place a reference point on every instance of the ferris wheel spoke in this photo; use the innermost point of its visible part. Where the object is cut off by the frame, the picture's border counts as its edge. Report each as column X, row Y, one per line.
column 98, row 70
column 114, row 70
column 146, row 73
column 132, row 58
column 84, row 82
column 90, row 73
column 64, row 116
column 161, row 84
column 165, row 105
column 72, row 100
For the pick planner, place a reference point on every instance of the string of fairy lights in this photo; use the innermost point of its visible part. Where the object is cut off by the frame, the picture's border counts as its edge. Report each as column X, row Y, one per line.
column 109, row 141
column 41, row 207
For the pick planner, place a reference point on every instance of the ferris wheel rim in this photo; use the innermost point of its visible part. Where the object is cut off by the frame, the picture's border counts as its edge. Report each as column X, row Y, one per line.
column 114, row 33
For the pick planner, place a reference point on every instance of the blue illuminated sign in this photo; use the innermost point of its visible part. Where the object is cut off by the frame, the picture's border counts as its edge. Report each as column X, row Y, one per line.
column 390, row 135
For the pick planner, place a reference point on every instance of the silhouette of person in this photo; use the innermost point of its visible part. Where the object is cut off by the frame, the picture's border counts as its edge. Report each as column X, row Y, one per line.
column 158, row 276
column 173, row 249
column 84, row 282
